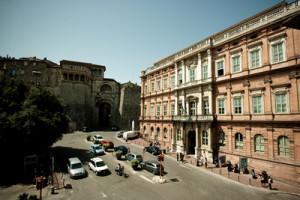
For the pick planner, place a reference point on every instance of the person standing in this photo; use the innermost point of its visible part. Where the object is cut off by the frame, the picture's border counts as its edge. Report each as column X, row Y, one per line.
column 270, row 181
column 177, row 157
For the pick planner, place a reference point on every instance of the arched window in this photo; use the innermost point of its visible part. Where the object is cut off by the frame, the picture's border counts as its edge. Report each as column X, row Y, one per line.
column 204, row 138
column 283, row 146
column 259, row 143
column 152, row 131
column 158, row 132
column 239, row 141
column 165, row 132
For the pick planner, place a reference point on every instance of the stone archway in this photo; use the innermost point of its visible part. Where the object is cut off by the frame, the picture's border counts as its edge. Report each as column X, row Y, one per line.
column 104, row 115
column 191, row 142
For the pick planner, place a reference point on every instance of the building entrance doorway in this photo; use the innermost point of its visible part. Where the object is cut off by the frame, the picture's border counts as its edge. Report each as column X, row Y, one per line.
column 104, row 115
column 191, row 142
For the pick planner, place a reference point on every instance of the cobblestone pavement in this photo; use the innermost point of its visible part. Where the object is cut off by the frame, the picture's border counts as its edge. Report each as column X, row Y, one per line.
column 242, row 178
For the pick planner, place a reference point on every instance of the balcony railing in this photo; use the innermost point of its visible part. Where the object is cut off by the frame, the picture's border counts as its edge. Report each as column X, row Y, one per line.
column 193, row 118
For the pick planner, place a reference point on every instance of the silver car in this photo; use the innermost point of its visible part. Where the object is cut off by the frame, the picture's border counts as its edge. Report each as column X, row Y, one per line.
column 75, row 168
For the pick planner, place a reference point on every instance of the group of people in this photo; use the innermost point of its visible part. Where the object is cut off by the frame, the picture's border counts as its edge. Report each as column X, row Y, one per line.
column 180, row 157
column 119, row 169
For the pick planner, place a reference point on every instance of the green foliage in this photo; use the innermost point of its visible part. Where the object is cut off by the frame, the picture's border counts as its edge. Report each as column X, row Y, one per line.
column 32, row 118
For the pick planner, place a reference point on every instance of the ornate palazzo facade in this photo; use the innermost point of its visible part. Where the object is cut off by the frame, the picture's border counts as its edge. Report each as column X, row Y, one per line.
column 235, row 95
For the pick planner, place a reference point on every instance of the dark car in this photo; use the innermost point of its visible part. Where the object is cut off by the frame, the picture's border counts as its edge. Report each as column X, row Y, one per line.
column 153, row 150
column 152, row 166
column 122, row 149
column 120, row 134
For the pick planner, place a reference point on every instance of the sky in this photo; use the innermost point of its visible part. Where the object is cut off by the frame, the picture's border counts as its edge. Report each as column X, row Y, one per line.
column 126, row 36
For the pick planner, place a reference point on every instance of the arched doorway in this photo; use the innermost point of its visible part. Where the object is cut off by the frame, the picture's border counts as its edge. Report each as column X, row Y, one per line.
column 191, row 142
column 104, row 115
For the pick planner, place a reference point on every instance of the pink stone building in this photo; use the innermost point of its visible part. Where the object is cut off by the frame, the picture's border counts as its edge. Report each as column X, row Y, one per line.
column 234, row 95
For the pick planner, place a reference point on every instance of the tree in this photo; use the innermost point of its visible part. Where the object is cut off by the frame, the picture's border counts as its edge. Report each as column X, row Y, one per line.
column 31, row 120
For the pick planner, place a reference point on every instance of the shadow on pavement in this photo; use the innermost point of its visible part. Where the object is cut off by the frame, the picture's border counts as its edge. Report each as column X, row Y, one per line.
column 61, row 155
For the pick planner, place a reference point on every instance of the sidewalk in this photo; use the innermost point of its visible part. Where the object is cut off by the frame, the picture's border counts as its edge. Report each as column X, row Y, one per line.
column 242, row 178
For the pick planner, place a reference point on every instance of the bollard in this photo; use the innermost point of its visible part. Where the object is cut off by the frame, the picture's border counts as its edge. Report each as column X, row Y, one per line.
column 249, row 181
column 238, row 178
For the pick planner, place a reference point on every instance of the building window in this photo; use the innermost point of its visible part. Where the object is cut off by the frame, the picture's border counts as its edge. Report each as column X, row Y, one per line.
column 173, row 109
column 158, row 85
column 277, row 51
column 145, row 89
column 259, row 143
column 165, row 109
column 178, row 135
column 205, row 106
column 257, row 104
column 281, row 102
column 165, row 132
column 179, row 76
column 152, row 109
column 165, row 82
column 65, row 76
column 220, row 67
column 76, row 77
column 158, row 132
column 192, row 74
column 238, row 141
column 152, row 131
column 181, row 109
column 193, row 108
column 221, row 106
column 152, row 86
column 221, row 138
column 237, row 105
column 71, row 77
column 158, row 110
column 145, row 110
column 172, row 81
column 82, row 78
column 204, row 138
column 255, row 57
column 204, row 72
column 236, row 63
column 283, row 146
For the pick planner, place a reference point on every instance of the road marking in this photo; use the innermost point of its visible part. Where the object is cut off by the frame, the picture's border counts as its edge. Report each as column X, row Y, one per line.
column 147, row 179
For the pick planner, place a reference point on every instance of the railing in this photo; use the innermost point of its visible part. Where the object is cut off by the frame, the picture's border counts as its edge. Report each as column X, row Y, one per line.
column 193, row 118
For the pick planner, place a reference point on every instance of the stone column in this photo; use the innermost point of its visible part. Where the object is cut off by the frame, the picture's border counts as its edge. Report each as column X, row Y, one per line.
column 270, row 143
column 210, row 101
column 294, row 101
column 268, row 102
column 176, row 75
column 197, row 149
column 209, row 65
column 199, row 68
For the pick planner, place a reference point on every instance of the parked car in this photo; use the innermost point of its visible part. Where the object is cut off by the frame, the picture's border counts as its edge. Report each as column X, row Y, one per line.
column 107, row 144
column 97, row 138
column 130, row 135
column 98, row 166
column 133, row 156
column 75, row 168
column 152, row 166
column 96, row 149
column 120, row 134
column 153, row 150
column 122, row 148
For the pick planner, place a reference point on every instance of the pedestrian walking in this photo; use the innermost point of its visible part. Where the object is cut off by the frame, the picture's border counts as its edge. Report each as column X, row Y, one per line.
column 205, row 162
column 177, row 157
column 270, row 181
column 181, row 157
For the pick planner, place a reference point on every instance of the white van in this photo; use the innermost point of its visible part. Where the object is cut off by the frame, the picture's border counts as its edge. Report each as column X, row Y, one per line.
column 130, row 135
